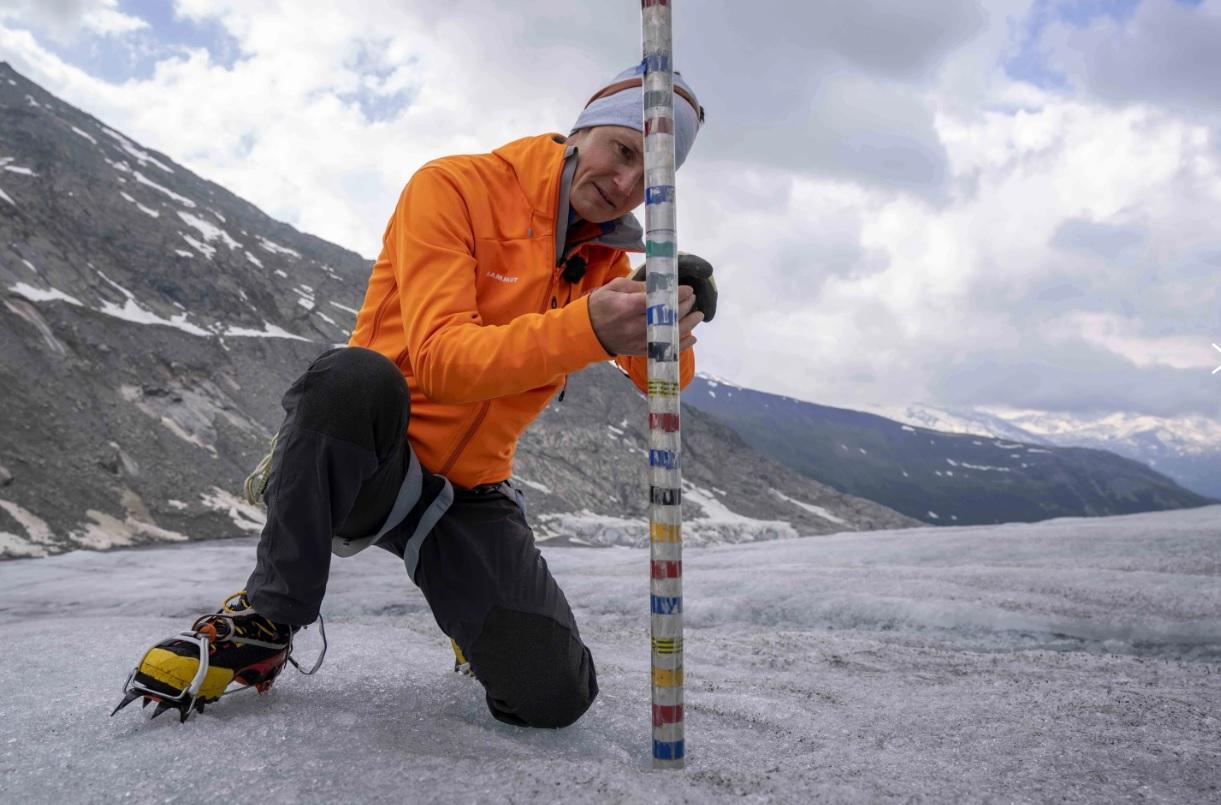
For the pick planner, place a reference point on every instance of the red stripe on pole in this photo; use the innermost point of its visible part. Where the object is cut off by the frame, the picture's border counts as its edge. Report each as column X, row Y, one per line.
column 667, row 570
column 667, row 714
column 658, row 125
column 667, row 422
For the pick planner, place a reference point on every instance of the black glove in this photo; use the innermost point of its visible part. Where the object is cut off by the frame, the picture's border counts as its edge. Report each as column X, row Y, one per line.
column 696, row 272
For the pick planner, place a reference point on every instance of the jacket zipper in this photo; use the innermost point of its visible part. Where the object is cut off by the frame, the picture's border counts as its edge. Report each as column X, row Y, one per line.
column 466, row 438
column 377, row 319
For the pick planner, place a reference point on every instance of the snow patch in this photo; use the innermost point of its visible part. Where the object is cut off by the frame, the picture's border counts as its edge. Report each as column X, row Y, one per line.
column 140, row 155
column 346, row 309
column 268, row 331
column 144, row 180
column 136, row 313
column 546, row 490
column 810, row 507
column 203, row 248
column 43, row 294
column 254, row 259
column 146, row 210
column 246, row 517
column 275, row 248
column 35, row 527
column 208, row 230
column 85, row 134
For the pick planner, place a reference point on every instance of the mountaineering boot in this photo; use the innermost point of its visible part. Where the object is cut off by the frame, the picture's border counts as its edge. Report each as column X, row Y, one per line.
column 191, row 669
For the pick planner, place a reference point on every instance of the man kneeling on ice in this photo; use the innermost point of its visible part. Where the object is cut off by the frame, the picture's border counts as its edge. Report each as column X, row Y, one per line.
column 500, row 274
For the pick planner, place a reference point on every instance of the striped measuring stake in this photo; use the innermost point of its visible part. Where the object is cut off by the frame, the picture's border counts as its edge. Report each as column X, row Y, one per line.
column 665, row 472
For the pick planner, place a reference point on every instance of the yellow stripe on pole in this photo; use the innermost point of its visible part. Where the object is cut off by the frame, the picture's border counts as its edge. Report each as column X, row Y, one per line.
column 665, row 532
column 667, row 645
column 666, row 678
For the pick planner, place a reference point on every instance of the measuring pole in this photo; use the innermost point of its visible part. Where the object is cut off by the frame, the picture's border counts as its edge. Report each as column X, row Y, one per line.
column 665, row 475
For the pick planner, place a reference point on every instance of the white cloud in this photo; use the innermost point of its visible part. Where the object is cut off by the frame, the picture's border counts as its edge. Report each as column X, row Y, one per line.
column 889, row 211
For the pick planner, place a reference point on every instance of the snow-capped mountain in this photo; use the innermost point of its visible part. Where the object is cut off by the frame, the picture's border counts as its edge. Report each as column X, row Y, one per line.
column 1187, row 449
column 933, row 474
column 151, row 321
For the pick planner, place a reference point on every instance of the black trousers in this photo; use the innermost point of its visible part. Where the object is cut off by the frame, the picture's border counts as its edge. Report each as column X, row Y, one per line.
column 343, row 471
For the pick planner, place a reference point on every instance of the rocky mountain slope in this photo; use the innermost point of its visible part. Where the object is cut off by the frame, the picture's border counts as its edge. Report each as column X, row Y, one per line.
column 150, row 321
column 938, row 477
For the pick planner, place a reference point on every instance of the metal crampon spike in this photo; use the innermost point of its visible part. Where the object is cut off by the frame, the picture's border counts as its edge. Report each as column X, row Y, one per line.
column 184, row 710
column 127, row 699
column 147, row 701
column 161, row 708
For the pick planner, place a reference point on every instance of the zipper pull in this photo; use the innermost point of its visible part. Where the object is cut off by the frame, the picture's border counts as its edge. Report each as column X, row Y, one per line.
column 562, row 390
column 554, row 304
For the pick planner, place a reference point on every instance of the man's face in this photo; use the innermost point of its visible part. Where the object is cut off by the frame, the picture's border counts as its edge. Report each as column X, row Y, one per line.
column 609, row 180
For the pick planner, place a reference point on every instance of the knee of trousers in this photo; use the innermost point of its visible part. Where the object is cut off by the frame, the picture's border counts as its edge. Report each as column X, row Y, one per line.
column 354, row 394
column 537, row 672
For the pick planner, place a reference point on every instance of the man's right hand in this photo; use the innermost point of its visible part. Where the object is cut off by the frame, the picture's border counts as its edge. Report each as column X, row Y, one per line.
column 617, row 311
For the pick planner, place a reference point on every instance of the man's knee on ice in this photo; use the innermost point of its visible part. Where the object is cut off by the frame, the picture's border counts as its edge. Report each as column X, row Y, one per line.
column 536, row 671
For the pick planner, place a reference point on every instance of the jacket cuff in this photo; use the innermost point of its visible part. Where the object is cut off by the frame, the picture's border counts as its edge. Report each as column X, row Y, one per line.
column 579, row 334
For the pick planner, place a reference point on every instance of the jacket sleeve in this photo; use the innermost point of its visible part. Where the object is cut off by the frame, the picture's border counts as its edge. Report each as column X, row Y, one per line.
column 637, row 367
column 455, row 357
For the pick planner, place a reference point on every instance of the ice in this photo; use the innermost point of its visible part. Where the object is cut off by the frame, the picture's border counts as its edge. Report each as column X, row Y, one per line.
column 1070, row 660
column 144, row 180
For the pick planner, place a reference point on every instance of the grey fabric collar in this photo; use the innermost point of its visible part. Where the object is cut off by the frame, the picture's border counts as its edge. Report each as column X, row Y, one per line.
column 627, row 234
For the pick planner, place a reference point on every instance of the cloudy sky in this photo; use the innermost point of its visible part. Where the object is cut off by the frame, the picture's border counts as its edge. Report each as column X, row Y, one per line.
column 1005, row 203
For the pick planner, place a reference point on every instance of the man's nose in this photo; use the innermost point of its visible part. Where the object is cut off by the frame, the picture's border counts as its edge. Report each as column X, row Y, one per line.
column 628, row 181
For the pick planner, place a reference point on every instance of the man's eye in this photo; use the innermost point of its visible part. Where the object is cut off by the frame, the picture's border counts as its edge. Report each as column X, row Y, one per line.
column 624, row 151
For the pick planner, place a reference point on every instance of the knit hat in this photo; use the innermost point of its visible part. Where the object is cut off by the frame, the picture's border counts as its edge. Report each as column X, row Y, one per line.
column 625, row 106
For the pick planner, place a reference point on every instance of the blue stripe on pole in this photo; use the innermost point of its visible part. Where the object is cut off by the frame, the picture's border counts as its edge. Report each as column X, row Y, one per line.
column 668, row 750
column 661, row 314
column 666, row 604
column 659, row 195
column 657, row 62
column 664, row 458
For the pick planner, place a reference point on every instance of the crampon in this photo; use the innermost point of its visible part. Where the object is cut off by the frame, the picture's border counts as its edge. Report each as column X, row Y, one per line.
column 223, row 653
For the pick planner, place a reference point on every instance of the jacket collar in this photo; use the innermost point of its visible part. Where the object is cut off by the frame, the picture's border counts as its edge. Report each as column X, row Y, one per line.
column 544, row 167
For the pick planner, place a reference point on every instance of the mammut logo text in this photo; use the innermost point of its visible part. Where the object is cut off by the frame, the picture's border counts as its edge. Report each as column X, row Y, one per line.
column 502, row 277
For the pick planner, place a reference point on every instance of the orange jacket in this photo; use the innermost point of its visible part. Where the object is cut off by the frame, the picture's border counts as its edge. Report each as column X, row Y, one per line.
column 467, row 299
